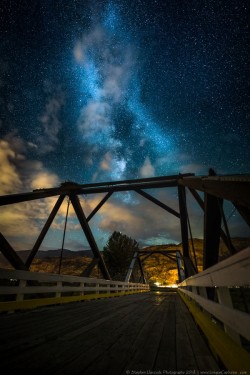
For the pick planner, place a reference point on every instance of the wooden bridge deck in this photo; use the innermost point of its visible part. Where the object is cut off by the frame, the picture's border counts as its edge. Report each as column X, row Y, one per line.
column 146, row 333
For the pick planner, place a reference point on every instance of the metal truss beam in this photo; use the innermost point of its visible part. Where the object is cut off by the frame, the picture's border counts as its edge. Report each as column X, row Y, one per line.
column 44, row 231
column 157, row 202
column 87, row 231
column 212, row 230
column 142, row 271
column 225, row 237
column 244, row 212
column 183, row 219
column 88, row 270
column 131, row 267
column 188, row 264
column 100, row 204
column 10, row 254
column 104, row 187
column 233, row 188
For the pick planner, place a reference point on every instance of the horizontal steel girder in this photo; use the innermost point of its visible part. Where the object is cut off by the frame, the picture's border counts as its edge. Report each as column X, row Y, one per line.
column 233, row 188
column 105, row 187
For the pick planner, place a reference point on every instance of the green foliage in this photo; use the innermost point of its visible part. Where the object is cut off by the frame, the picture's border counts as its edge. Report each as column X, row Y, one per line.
column 118, row 254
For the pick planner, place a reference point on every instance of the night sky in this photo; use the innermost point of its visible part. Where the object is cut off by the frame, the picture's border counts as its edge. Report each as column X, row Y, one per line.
column 96, row 91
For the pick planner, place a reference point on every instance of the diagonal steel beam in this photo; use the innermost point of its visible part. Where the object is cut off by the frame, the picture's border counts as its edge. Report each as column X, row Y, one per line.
column 44, row 231
column 212, row 230
column 197, row 197
column 90, row 267
column 224, row 237
column 100, row 204
column 159, row 203
column 89, row 235
column 244, row 212
column 10, row 254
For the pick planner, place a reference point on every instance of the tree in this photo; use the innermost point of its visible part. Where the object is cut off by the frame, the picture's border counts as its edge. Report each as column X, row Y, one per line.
column 118, row 254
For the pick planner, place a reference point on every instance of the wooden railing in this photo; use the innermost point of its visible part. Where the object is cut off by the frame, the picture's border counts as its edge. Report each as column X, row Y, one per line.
column 23, row 289
column 219, row 299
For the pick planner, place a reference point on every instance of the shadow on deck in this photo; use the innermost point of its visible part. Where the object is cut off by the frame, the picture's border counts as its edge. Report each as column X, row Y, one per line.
column 149, row 333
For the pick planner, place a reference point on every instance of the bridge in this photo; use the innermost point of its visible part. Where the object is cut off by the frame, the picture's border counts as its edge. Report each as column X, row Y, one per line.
column 84, row 325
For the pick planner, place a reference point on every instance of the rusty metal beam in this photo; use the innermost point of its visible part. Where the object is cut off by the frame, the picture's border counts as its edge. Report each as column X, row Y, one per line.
column 100, row 204
column 44, row 231
column 88, row 233
column 157, row 202
column 11, row 255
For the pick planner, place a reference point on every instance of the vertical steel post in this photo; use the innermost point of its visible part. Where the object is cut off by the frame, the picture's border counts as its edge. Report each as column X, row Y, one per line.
column 130, row 270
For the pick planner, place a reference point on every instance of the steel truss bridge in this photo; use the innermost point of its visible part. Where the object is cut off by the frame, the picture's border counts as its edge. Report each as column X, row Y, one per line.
column 204, row 326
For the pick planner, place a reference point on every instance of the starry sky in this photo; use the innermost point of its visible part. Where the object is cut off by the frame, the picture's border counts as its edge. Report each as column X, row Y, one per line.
column 96, row 91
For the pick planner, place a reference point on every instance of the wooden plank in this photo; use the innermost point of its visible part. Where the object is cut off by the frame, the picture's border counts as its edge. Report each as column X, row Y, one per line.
column 49, row 321
column 144, row 349
column 203, row 356
column 166, row 355
column 68, row 345
column 111, row 352
column 184, row 354
column 107, row 336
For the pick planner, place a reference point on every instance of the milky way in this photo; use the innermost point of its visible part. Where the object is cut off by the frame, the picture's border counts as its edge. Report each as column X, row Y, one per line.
column 106, row 90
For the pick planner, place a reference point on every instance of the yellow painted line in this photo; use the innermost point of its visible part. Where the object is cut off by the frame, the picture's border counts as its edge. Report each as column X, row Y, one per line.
column 234, row 357
column 33, row 303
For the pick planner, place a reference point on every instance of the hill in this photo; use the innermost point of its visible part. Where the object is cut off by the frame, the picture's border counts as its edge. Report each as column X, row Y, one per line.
column 157, row 267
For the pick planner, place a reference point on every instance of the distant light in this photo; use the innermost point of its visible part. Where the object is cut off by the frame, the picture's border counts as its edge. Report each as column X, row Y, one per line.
column 172, row 286
column 157, row 284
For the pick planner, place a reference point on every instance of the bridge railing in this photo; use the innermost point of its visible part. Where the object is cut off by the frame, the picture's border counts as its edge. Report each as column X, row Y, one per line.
column 24, row 289
column 219, row 299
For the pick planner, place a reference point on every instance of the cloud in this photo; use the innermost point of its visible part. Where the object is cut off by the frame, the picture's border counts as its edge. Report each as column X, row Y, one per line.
column 9, row 177
column 44, row 179
column 147, row 170
column 105, row 164
column 137, row 217
column 110, row 166
column 193, row 168
column 21, row 222
column 50, row 120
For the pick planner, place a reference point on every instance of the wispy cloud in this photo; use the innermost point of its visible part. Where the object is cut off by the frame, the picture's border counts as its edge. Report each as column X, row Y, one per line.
column 147, row 170
column 50, row 119
column 18, row 174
